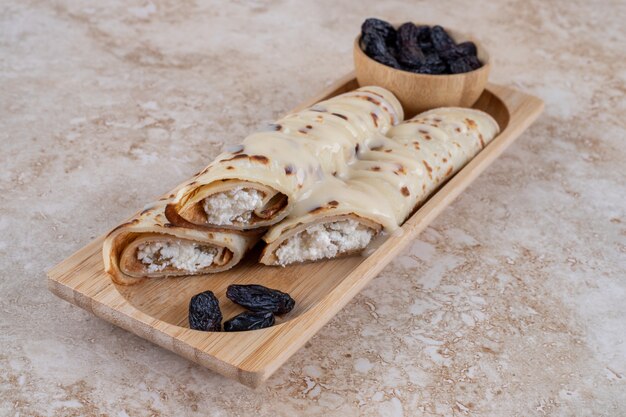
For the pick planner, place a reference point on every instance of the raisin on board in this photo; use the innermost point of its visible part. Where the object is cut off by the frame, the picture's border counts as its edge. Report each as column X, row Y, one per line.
column 409, row 52
column 204, row 312
column 250, row 321
column 259, row 298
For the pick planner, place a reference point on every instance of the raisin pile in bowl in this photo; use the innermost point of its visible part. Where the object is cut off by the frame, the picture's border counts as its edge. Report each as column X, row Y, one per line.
column 419, row 49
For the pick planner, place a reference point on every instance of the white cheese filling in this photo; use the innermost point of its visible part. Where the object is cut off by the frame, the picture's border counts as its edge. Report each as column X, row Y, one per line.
column 236, row 205
column 325, row 240
column 186, row 256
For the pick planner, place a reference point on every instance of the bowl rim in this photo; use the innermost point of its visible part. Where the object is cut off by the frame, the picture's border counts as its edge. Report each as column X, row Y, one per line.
column 454, row 33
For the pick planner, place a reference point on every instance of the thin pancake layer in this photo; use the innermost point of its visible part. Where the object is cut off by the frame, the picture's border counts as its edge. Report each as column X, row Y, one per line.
column 391, row 176
column 273, row 169
column 149, row 246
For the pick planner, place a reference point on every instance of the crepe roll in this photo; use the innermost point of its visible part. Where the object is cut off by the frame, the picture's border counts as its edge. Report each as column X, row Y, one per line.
column 390, row 178
column 149, row 246
column 256, row 184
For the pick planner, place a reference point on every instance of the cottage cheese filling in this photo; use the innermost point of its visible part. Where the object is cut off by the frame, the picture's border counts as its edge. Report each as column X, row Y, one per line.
column 186, row 256
column 324, row 241
column 236, row 205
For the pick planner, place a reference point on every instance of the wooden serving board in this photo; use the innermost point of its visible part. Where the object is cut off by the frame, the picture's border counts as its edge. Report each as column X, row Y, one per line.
column 157, row 309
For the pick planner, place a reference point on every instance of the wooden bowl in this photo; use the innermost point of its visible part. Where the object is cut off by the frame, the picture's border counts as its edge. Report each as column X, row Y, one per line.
column 420, row 92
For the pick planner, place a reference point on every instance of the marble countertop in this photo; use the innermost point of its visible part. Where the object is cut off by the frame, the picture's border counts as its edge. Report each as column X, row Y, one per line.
column 513, row 302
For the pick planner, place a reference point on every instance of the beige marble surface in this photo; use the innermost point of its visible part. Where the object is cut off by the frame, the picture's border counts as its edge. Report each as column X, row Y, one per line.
column 512, row 303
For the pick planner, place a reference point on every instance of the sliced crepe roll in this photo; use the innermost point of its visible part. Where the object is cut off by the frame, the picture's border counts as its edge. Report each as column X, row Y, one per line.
column 391, row 177
column 256, row 184
column 149, row 246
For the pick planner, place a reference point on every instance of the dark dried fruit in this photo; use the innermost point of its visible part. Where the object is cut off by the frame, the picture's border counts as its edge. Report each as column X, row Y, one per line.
column 378, row 39
column 377, row 27
column 374, row 46
column 467, row 48
column 204, row 312
column 423, row 39
column 260, row 298
column 419, row 49
column 464, row 64
column 434, row 65
column 440, row 38
column 250, row 321
column 409, row 52
column 451, row 54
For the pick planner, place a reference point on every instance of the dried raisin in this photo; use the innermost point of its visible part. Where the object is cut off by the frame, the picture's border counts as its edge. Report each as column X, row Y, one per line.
column 409, row 52
column 440, row 38
column 419, row 49
column 204, row 312
column 250, row 321
column 260, row 298
column 378, row 39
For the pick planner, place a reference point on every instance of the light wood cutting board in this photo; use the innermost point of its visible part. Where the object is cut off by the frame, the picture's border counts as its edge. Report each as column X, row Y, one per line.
column 157, row 309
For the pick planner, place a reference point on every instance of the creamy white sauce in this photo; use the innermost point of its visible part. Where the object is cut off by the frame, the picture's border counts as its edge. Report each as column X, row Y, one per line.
column 299, row 150
column 394, row 175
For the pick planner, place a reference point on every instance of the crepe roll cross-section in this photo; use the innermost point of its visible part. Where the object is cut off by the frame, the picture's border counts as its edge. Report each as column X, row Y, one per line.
column 256, row 184
column 149, row 246
column 390, row 178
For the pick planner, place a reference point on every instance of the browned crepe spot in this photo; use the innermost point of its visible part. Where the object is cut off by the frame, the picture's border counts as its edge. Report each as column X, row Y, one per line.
column 239, row 156
column 260, row 158
column 368, row 98
column 428, row 168
column 405, row 191
column 374, row 118
column 471, row 124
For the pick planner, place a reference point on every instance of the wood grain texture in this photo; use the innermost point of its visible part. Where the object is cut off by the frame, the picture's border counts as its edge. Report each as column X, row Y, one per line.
column 157, row 309
column 420, row 92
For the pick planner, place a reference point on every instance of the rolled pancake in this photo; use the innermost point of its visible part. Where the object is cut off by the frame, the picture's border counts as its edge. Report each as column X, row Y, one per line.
column 149, row 246
column 256, row 184
column 390, row 178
